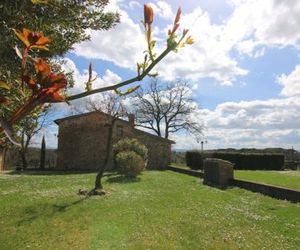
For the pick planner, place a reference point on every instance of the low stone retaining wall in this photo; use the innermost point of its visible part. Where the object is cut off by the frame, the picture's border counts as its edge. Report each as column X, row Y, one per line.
column 273, row 191
column 269, row 190
column 186, row 171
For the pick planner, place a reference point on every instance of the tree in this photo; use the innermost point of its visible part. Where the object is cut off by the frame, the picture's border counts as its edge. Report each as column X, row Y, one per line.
column 110, row 103
column 65, row 22
column 30, row 126
column 166, row 109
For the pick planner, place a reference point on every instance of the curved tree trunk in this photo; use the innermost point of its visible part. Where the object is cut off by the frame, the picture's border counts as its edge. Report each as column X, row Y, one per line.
column 98, row 183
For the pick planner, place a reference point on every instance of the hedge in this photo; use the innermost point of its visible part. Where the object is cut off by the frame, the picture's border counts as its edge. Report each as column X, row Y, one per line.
column 194, row 159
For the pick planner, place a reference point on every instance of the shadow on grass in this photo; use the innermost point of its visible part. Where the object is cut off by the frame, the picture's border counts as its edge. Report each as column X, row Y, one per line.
column 51, row 172
column 123, row 179
column 32, row 213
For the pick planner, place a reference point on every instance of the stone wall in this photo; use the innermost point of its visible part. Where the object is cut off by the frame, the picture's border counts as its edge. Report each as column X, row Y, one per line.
column 82, row 142
column 217, row 172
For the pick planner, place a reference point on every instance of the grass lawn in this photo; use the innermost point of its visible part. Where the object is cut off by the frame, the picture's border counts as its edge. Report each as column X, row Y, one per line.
column 180, row 165
column 161, row 210
column 289, row 179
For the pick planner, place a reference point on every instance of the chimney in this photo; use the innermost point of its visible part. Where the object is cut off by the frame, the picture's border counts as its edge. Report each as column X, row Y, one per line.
column 131, row 119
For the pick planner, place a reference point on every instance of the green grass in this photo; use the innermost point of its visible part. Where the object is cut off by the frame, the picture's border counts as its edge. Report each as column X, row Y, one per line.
column 288, row 179
column 180, row 165
column 161, row 210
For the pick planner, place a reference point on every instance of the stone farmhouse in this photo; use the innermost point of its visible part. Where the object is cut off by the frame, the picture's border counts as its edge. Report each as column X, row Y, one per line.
column 82, row 141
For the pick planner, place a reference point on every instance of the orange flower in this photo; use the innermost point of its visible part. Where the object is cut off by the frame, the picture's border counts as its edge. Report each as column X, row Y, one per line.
column 52, row 93
column 148, row 14
column 33, row 40
column 42, row 68
column 30, row 82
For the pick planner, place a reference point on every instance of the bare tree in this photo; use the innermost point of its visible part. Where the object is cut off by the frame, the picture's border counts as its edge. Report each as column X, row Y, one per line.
column 111, row 104
column 29, row 127
column 166, row 109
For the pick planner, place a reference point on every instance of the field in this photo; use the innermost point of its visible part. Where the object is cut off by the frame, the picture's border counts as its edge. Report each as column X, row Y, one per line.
column 159, row 210
column 288, row 179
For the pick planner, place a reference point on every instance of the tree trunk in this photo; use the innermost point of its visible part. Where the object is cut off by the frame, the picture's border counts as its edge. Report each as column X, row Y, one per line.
column 98, row 183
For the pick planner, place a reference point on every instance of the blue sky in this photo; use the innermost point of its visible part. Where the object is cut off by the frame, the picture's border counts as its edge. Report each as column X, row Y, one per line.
column 243, row 68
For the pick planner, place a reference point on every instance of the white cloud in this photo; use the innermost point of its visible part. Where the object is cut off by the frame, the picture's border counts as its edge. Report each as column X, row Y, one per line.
column 252, row 27
column 162, row 9
column 207, row 57
column 80, row 78
column 291, row 82
column 123, row 45
column 268, row 22
column 134, row 4
column 258, row 123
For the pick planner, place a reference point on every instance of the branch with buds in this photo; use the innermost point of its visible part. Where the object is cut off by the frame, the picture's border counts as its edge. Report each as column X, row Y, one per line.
column 46, row 86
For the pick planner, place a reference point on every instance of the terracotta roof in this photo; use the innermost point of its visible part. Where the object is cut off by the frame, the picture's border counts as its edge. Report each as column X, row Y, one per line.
column 57, row 121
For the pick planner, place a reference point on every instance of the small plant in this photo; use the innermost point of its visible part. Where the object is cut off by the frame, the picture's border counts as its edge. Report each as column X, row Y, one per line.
column 130, row 163
column 130, row 156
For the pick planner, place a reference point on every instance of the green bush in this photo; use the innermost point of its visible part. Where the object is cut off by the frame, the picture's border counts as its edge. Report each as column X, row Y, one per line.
column 131, row 145
column 253, row 161
column 130, row 163
column 194, row 160
column 130, row 156
column 244, row 161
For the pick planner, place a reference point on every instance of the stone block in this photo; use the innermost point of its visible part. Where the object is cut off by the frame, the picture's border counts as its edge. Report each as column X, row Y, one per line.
column 217, row 172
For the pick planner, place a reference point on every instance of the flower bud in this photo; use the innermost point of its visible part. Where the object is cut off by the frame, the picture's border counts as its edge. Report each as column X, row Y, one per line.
column 148, row 14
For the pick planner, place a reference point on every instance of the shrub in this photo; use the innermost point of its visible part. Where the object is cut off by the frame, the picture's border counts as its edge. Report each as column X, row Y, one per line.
column 130, row 163
column 253, row 161
column 131, row 145
column 130, row 156
column 194, row 160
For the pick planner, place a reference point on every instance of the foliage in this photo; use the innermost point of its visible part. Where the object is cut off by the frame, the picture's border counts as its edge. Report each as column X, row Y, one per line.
column 65, row 22
column 240, row 160
column 130, row 163
column 133, row 145
column 194, row 159
column 130, row 156
column 161, row 210
column 253, row 161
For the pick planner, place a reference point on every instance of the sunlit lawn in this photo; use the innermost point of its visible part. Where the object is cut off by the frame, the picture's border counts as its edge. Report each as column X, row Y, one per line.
column 289, row 179
column 161, row 210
